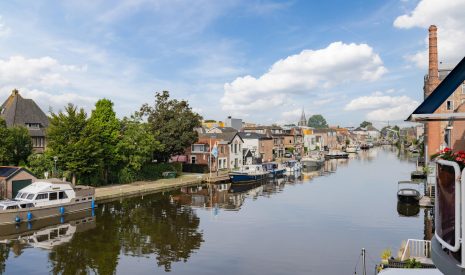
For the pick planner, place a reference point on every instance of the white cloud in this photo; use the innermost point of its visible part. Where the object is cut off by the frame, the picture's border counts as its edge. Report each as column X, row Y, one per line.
column 19, row 70
column 448, row 17
column 382, row 108
column 303, row 73
column 291, row 116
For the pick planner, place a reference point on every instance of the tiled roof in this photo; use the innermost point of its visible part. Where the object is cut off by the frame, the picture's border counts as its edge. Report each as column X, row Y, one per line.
column 17, row 110
column 228, row 136
column 251, row 135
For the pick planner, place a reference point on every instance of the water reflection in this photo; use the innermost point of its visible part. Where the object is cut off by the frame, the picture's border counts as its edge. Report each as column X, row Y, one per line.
column 408, row 210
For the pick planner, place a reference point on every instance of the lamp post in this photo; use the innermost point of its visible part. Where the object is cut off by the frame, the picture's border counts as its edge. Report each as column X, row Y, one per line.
column 55, row 159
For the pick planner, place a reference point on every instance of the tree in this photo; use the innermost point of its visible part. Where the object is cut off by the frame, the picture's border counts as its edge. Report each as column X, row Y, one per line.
column 104, row 125
column 19, row 145
column 39, row 164
column 4, row 133
column 137, row 143
column 317, row 121
column 172, row 123
column 365, row 124
column 70, row 140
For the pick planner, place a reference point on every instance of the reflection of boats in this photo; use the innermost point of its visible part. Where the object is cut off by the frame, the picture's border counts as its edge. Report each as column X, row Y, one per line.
column 242, row 188
column 337, row 155
column 406, row 193
column 248, row 173
column 274, row 169
column 407, row 209
column 292, row 166
column 364, row 146
column 46, row 199
column 47, row 233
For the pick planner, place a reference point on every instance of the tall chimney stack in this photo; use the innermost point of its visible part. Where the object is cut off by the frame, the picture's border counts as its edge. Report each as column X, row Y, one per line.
column 433, row 128
column 433, row 69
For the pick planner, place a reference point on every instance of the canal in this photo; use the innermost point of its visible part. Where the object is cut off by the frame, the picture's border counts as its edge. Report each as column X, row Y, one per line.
column 313, row 223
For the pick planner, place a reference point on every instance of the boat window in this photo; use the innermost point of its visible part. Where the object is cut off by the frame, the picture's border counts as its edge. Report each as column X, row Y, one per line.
column 42, row 238
column 23, row 195
column 30, row 196
column 62, row 195
column 19, row 195
column 52, row 196
column 12, row 207
column 42, row 196
column 54, row 234
column 27, row 205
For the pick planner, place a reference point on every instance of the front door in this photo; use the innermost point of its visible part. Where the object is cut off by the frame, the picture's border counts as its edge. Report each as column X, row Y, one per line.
column 18, row 185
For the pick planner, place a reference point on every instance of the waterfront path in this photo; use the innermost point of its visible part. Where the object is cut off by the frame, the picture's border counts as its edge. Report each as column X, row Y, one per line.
column 105, row 193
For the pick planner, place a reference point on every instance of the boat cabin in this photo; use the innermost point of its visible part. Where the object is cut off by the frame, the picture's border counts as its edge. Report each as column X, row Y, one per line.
column 46, row 193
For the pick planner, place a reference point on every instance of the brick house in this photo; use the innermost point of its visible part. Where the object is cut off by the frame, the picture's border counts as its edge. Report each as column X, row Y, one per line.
column 13, row 179
column 260, row 147
column 229, row 146
column 18, row 111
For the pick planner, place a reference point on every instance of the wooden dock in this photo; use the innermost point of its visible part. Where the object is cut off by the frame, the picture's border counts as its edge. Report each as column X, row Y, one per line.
column 107, row 193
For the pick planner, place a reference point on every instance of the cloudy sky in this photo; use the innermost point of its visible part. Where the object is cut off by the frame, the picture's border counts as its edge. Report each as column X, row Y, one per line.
column 254, row 59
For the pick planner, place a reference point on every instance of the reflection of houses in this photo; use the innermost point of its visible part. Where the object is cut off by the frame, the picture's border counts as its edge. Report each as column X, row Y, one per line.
column 257, row 148
column 229, row 146
column 367, row 134
column 13, row 179
column 18, row 111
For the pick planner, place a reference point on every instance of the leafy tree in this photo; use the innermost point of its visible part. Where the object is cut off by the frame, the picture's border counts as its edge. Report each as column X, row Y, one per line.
column 104, row 125
column 172, row 123
column 70, row 140
column 4, row 133
column 317, row 121
column 137, row 144
column 19, row 144
column 39, row 164
column 365, row 124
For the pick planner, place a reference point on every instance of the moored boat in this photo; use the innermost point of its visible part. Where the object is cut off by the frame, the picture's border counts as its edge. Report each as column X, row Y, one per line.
column 351, row 149
column 337, row 155
column 292, row 166
column 312, row 161
column 44, row 199
column 248, row 173
column 407, row 193
column 274, row 169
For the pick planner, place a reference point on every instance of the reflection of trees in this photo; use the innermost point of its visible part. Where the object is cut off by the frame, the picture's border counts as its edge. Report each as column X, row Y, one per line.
column 137, row 227
column 4, row 252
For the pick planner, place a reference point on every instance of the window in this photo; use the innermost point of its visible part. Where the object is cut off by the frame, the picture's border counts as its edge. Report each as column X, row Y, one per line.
column 12, row 207
column 62, row 195
column 42, row 196
column 449, row 105
column 30, row 196
column 19, row 195
column 198, row 148
column 52, row 196
column 235, row 148
column 24, row 195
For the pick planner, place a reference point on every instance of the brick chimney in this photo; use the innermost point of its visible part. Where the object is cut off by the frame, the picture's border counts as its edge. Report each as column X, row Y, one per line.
column 433, row 69
column 433, row 129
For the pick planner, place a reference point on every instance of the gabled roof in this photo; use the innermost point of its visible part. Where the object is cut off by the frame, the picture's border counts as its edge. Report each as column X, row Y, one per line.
column 426, row 110
column 223, row 129
column 228, row 136
column 6, row 172
column 17, row 110
column 252, row 135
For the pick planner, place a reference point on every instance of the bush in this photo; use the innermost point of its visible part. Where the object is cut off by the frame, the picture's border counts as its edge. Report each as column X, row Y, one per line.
column 150, row 171
column 195, row 168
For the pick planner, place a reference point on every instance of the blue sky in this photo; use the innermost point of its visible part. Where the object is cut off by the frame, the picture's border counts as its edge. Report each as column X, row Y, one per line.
column 259, row 60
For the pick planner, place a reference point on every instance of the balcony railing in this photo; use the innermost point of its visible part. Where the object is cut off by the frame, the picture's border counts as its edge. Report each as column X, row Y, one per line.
column 418, row 249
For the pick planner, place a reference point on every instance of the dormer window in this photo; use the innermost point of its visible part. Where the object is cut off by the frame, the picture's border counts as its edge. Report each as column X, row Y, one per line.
column 33, row 125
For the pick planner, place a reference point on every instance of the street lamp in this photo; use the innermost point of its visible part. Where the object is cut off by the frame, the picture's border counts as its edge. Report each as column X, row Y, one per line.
column 55, row 158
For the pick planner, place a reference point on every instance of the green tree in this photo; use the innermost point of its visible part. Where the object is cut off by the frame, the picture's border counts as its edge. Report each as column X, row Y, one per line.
column 137, row 143
column 172, row 122
column 4, row 133
column 365, row 124
column 104, row 125
column 317, row 121
column 39, row 164
column 70, row 140
column 19, row 145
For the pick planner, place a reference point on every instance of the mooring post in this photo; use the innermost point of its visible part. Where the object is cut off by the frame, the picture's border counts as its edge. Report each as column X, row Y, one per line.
column 364, row 270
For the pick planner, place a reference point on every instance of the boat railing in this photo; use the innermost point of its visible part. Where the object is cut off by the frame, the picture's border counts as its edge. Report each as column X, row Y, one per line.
column 418, row 249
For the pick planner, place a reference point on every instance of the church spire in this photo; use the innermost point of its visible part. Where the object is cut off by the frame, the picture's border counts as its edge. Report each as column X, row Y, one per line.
column 303, row 119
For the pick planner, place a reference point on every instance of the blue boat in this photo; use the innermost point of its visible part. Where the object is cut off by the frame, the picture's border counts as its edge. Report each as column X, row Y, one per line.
column 248, row 173
column 274, row 169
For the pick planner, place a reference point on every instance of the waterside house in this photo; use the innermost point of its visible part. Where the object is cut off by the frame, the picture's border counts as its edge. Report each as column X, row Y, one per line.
column 18, row 111
column 257, row 148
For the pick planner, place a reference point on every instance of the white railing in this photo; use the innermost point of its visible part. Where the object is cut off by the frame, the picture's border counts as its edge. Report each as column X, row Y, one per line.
column 417, row 249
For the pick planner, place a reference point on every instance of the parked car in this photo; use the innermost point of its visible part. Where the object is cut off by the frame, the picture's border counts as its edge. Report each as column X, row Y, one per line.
column 287, row 155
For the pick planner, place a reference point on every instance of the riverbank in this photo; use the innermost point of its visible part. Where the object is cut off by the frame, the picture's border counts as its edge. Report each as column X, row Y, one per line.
column 106, row 193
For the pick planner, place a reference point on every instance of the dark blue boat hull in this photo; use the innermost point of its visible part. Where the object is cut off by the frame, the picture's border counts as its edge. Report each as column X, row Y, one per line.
column 242, row 178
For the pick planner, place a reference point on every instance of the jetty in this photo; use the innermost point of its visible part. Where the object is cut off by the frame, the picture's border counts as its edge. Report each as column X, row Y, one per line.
column 111, row 192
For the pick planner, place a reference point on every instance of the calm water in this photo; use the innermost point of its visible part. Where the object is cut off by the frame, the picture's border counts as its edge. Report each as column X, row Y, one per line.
column 314, row 223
